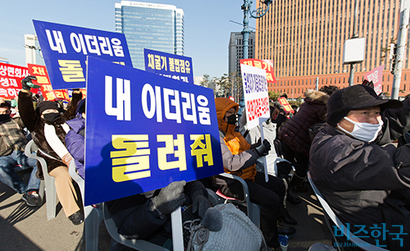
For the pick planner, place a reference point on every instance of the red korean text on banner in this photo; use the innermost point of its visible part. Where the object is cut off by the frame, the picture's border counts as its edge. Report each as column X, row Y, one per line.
column 43, row 80
column 267, row 65
column 286, row 106
column 375, row 76
column 10, row 80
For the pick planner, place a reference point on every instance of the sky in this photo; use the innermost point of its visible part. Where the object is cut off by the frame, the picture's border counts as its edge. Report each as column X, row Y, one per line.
column 207, row 26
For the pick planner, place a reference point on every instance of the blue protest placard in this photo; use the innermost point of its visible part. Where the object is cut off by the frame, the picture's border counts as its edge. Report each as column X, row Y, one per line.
column 65, row 49
column 169, row 65
column 144, row 131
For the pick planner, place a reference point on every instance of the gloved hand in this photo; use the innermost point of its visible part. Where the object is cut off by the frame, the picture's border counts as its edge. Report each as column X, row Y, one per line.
column 200, row 203
column 169, row 198
column 263, row 149
column 27, row 84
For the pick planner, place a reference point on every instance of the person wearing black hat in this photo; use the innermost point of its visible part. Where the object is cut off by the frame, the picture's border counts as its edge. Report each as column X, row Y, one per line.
column 365, row 180
column 48, row 130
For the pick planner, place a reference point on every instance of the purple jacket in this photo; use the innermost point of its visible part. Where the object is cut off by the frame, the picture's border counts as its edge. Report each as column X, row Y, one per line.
column 75, row 142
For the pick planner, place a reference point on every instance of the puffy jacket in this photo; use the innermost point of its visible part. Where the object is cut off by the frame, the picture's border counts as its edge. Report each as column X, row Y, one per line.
column 75, row 142
column 295, row 131
column 237, row 156
column 366, row 183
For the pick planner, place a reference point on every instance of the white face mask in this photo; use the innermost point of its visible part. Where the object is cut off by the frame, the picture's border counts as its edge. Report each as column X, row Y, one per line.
column 363, row 131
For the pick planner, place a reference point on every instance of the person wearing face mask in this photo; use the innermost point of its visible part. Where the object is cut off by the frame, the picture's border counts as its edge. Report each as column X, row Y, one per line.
column 239, row 158
column 48, row 130
column 364, row 179
column 12, row 144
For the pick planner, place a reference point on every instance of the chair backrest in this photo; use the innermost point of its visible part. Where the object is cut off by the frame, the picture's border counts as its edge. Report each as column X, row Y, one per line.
column 253, row 210
column 329, row 212
column 141, row 245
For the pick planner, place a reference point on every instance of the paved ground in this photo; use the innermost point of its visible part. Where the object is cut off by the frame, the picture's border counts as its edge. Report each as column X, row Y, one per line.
column 27, row 229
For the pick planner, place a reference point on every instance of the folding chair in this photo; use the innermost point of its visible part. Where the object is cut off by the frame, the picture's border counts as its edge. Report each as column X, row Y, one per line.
column 328, row 212
column 92, row 214
column 253, row 210
column 49, row 181
column 141, row 245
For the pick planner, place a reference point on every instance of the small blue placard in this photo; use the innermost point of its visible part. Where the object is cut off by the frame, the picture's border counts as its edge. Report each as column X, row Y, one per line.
column 144, row 131
column 65, row 49
column 169, row 65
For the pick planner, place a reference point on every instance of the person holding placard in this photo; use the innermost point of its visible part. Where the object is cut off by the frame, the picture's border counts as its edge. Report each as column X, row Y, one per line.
column 239, row 158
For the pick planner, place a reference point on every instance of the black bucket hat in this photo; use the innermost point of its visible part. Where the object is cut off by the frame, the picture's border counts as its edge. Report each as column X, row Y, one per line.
column 354, row 98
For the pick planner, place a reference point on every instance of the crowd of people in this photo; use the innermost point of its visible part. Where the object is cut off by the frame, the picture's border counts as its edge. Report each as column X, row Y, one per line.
column 342, row 137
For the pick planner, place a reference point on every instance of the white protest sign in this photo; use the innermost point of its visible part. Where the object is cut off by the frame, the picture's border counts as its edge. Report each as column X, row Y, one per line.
column 255, row 89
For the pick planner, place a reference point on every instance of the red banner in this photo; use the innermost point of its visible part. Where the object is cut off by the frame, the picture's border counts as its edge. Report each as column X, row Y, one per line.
column 286, row 106
column 10, row 80
column 375, row 76
column 267, row 65
column 43, row 80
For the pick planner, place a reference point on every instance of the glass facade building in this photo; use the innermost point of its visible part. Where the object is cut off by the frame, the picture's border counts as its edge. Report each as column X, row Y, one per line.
column 152, row 26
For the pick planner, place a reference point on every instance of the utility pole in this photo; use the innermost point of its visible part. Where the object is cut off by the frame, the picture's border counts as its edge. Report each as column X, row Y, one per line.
column 355, row 35
column 258, row 13
column 401, row 42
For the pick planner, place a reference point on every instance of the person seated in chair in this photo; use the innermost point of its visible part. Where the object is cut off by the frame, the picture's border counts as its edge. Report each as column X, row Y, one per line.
column 239, row 158
column 48, row 129
column 365, row 180
column 280, row 169
column 147, row 216
column 75, row 137
column 12, row 144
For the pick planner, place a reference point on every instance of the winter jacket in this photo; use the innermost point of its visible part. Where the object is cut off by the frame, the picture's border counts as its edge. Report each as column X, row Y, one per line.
column 365, row 183
column 237, row 156
column 12, row 136
column 133, row 218
column 75, row 142
column 35, row 124
column 294, row 132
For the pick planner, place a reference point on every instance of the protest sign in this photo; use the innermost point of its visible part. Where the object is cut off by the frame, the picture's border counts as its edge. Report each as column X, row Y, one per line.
column 255, row 89
column 40, row 72
column 286, row 106
column 169, row 65
column 144, row 131
column 10, row 80
column 65, row 49
column 375, row 76
column 265, row 64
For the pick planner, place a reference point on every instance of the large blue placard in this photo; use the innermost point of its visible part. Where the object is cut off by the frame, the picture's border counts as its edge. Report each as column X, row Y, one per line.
column 65, row 49
column 144, row 131
column 169, row 65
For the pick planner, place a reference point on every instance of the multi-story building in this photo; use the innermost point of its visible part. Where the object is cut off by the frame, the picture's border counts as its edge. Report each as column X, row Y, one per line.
column 305, row 41
column 236, row 50
column 148, row 25
column 235, row 54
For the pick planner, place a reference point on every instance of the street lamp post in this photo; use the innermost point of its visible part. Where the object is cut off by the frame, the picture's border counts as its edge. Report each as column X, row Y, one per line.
column 351, row 76
column 258, row 13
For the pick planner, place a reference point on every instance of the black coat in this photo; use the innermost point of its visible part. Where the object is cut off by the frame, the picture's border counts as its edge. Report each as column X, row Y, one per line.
column 295, row 132
column 366, row 183
column 133, row 219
